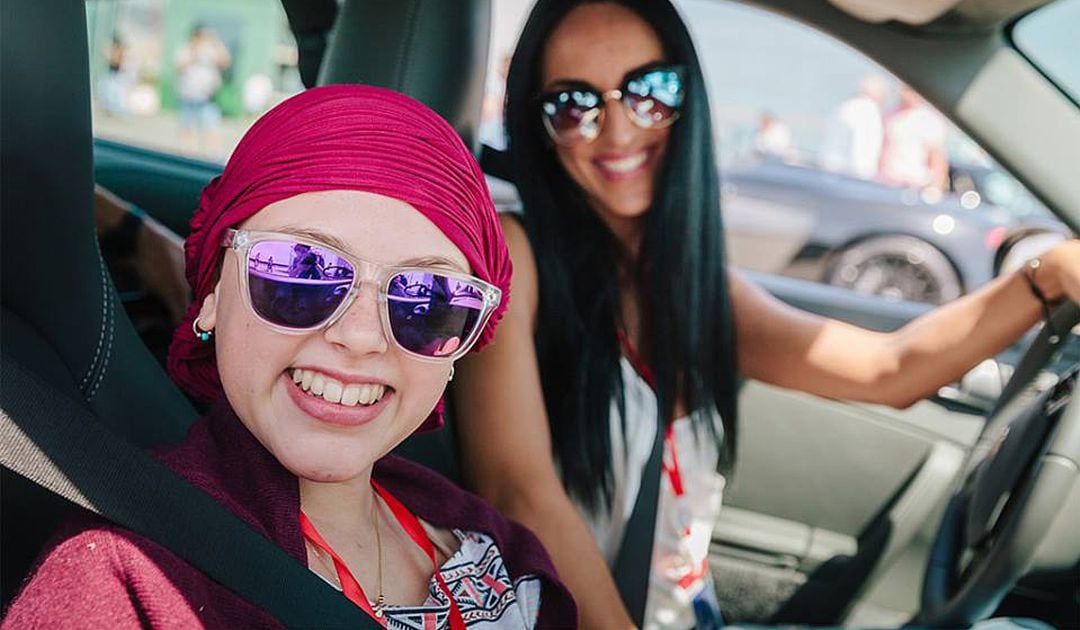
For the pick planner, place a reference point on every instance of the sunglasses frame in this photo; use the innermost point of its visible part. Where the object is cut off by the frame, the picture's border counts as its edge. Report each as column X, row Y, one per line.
column 241, row 242
column 618, row 94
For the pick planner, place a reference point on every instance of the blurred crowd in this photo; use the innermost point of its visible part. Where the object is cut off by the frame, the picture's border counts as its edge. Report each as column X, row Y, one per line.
column 901, row 146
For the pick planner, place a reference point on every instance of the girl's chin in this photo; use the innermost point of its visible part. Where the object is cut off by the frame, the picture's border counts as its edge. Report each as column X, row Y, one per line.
column 324, row 463
column 327, row 477
column 321, row 473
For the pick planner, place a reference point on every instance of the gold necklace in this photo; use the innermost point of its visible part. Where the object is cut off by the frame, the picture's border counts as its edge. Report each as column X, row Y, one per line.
column 379, row 605
column 380, row 602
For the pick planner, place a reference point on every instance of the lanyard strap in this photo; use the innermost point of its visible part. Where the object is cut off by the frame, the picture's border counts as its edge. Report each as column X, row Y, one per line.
column 416, row 532
column 349, row 586
column 671, row 462
column 352, row 589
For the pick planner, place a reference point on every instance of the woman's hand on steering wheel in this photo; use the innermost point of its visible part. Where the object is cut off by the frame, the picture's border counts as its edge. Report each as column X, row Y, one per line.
column 1058, row 274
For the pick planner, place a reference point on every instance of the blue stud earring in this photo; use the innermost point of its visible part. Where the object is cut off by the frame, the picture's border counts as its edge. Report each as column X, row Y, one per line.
column 203, row 335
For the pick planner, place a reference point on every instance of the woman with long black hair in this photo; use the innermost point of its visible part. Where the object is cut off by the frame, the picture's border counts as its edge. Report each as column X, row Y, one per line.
column 628, row 328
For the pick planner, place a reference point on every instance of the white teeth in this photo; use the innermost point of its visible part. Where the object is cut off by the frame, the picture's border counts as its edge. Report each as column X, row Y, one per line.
column 350, row 396
column 626, row 164
column 336, row 392
column 332, row 391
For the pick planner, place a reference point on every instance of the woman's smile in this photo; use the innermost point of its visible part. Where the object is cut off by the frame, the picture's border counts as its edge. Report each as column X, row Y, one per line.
column 624, row 165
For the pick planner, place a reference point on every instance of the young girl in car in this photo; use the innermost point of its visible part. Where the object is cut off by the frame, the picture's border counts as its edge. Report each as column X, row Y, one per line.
column 626, row 321
column 314, row 378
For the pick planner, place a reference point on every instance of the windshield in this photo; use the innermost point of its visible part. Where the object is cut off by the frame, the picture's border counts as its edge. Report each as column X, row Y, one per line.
column 1048, row 38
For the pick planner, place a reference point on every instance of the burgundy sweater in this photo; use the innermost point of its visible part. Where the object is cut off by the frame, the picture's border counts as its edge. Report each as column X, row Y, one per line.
column 98, row 575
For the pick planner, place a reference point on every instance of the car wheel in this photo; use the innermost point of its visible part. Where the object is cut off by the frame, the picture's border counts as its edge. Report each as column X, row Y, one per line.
column 896, row 267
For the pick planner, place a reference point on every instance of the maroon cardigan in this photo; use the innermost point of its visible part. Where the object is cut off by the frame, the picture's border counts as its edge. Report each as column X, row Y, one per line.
column 97, row 574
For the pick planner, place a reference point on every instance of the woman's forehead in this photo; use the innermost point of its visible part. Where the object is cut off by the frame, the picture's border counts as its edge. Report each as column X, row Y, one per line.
column 367, row 225
column 599, row 43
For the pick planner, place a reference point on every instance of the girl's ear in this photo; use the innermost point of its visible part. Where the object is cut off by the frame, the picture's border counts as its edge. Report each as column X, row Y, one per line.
column 208, row 310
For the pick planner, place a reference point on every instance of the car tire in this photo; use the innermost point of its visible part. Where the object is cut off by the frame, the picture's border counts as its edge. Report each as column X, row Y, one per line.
column 896, row 267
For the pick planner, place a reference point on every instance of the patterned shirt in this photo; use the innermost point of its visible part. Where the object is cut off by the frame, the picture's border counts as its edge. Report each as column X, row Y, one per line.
column 482, row 588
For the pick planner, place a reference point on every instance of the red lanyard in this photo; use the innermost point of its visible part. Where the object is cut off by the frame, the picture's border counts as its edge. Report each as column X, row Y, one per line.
column 671, row 455
column 351, row 588
column 672, row 467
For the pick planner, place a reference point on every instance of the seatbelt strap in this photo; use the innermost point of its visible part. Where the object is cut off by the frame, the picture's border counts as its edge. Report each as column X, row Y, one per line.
column 58, row 444
column 633, row 564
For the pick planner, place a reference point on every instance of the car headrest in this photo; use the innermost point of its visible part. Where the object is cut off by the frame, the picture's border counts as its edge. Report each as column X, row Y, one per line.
column 51, row 274
column 433, row 50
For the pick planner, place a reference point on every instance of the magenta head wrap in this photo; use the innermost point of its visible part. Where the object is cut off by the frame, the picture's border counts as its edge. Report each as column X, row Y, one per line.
column 341, row 137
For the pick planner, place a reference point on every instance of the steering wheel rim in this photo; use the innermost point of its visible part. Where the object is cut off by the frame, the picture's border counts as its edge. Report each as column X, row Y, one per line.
column 966, row 579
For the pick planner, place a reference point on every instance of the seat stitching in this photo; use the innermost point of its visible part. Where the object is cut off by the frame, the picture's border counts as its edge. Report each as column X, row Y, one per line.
column 108, row 346
column 104, row 315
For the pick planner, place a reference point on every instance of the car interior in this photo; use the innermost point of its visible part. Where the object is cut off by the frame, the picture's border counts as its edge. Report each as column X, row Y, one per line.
column 960, row 508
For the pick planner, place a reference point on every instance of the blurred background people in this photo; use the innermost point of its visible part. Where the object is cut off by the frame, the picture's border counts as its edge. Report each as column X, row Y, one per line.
column 773, row 137
column 200, row 65
column 118, row 80
column 914, row 155
column 855, row 132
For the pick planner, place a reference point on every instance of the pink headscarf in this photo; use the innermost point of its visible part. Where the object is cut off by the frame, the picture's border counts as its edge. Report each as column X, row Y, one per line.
column 340, row 137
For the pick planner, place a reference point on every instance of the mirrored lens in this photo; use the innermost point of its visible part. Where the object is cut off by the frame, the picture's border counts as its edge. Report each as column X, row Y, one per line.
column 432, row 314
column 655, row 96
column 296, row 285
column 572, row 113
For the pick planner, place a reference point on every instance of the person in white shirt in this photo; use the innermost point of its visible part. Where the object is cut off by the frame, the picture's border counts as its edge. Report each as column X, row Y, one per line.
column 914, row 153
column 853, row 141
column 773, row 137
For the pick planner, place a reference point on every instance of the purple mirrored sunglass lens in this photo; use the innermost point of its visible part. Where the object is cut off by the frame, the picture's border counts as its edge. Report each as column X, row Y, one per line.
column 296, row 285
column 432, row 314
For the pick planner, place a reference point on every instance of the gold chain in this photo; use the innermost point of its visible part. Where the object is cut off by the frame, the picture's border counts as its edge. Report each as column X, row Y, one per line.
column 379, row 605
column 380, row 602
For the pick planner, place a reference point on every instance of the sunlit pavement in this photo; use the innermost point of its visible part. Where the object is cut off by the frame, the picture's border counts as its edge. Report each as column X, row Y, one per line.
column 161, row 132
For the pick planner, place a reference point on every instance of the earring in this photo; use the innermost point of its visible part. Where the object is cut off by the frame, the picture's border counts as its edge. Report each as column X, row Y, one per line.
column 451, row 374
column 203, row 335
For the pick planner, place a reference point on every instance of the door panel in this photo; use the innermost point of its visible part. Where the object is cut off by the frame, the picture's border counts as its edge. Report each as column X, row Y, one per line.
column 166, row 186
column 829, row 498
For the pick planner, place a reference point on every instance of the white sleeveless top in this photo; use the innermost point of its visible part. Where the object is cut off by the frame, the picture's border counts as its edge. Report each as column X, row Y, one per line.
column 684, row 524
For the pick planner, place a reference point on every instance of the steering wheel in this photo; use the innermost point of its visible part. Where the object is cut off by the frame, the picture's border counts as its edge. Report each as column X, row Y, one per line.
column 1019, row 475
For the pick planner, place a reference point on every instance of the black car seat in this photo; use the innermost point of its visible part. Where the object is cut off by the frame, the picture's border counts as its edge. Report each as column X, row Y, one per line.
column 61, row 319
column 433, row 50
column 436, row 52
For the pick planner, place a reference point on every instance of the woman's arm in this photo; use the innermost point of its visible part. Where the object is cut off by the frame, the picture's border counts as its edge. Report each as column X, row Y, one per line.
column 506, row 446
column 157, row 253
column 785, row 346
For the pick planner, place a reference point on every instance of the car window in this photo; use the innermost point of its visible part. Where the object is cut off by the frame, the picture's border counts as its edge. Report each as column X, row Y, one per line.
column 187, row 77
column 1048, row 36
column 831, row 169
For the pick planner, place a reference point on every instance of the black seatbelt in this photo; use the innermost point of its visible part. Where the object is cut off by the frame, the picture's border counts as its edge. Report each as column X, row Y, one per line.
column 58, row 444
column 633, row 565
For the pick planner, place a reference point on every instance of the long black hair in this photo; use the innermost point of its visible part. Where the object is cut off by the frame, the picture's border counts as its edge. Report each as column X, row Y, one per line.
column 685, row 305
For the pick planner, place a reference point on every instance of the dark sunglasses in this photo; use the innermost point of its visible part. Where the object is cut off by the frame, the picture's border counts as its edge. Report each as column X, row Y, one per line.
column 652, row 97
column 298, row 285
